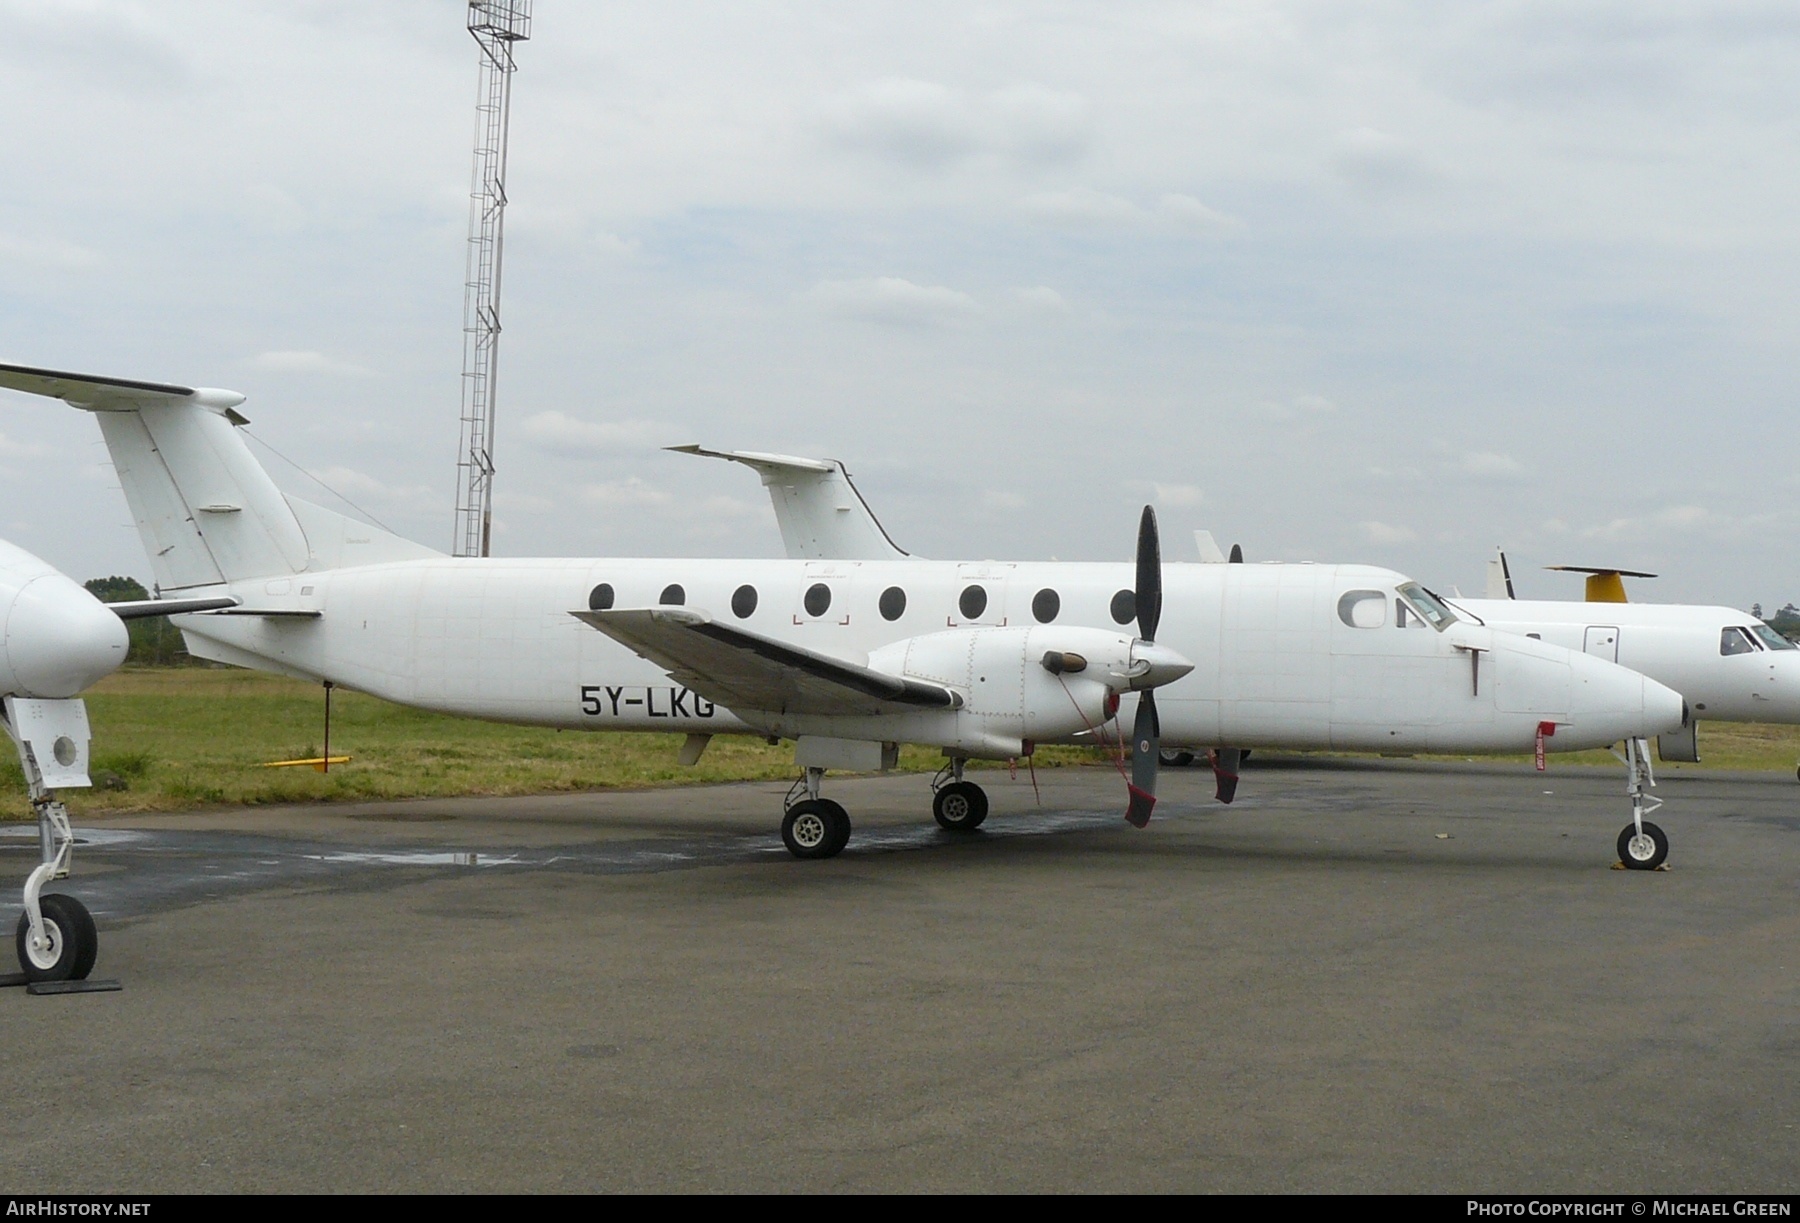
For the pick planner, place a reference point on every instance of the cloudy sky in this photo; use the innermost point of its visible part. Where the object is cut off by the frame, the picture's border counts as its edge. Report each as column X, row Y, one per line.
column 1381, row 282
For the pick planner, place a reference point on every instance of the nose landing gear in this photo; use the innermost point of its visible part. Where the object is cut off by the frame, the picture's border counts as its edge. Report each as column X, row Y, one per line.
column 1642, row 845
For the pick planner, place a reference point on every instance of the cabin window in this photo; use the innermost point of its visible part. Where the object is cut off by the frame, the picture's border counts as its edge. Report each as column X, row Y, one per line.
column 817, row 600
column 1363, row 608
column 1535, row 636
column 743, row 602
column 892, row 603
column 600, row 598
column 1124, row 607
column 1764, row 634
column 972, row 603
column 673, row 595
column 1423, row 604
column 1045, row 604
column 1735, row 641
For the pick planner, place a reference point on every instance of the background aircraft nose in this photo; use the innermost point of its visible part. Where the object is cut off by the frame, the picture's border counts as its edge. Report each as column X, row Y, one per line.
column 60, row 639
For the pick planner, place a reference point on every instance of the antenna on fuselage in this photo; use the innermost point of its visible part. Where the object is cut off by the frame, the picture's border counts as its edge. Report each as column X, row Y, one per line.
column 496, row 25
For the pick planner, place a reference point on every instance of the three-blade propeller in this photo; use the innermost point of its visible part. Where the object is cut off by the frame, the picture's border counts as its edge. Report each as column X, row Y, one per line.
column 1146, row 734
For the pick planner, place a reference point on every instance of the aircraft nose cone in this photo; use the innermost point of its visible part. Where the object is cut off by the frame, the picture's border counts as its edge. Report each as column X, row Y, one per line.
column 1611, row 703
column 60, row 639
column 1154, row 665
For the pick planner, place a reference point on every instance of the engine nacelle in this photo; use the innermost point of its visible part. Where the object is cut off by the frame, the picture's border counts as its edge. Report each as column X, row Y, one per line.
column 59, row 639
column 1023, row 685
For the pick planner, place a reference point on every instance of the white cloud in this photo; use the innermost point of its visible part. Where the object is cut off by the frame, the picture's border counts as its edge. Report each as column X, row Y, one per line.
column 994, row 499
column 1378, row 160
column 52, row 253
column 303, row 361
column 624, row 494
column 1489, row 465
column 559, row 432
column 1382, row 533
column 1179, row 494
column 1042, row 300
column 1083, row 206
column 889, row 299
column 925, row 125
column 10, row 449
column 1187, row 211
column 352, row 484
column 1298, row 406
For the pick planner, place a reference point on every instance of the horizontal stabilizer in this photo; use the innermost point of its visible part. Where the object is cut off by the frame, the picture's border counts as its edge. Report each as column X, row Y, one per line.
column 141, row 608
column 746, row 672
column 1603, row 585
column 98, row 393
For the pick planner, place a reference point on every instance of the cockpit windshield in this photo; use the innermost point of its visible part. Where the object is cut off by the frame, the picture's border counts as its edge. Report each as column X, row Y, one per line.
column 1426, row 606
column 1771, row 638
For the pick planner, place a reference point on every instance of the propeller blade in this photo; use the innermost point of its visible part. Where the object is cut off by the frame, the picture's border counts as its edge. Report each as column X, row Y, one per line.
column 1225, row 761
column 1149, row 576
column 1146, row 743
column 1237, row 554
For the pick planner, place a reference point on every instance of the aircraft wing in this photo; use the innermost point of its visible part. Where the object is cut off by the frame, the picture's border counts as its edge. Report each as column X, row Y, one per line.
column 745, row 671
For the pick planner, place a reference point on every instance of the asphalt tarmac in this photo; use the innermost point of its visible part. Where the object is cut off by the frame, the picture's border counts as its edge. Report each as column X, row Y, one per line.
column 1361, row 976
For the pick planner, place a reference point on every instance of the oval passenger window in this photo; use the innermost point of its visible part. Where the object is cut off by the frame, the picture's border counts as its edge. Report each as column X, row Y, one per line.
column 673, row 595
column 1045, row 604
column 1124, row 607
column 818, row 599
column 1363, row 608
column 600, row 598
column 972, row 603
column 743, row 602
column 893, row 603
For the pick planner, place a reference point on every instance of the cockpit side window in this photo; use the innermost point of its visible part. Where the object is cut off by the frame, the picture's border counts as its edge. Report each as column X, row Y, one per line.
column 1423, row 604
column 1771, row 638
column 1735, row 641
column 1363, row 608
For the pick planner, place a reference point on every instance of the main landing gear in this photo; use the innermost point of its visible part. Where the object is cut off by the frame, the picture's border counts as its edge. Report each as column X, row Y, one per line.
column 815, row 827
column 56, row 939
column 1642, row 845
column 957, row 805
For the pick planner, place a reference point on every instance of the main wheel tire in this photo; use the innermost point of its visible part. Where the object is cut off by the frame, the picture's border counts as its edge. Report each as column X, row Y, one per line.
column 74, row 943
column 1646, row 852
column 840, row 826
column 1175, row 760
column 960, row 806
column 815, row 828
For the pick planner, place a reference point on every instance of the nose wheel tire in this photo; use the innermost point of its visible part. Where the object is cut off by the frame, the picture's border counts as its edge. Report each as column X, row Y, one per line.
column 1645, row 851
column 815, row 828
column 71, row 942
column 960, row 806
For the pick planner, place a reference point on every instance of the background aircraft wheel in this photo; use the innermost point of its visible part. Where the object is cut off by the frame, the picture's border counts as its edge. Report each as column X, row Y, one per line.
column 960, row 806
column 73, row 941
column 815, row 828
column 1175, row 760
column 1646, row 852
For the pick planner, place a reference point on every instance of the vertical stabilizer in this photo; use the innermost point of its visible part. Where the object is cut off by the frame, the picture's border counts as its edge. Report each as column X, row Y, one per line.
column 821, row 515
column 205, row 509
column 1499, row 577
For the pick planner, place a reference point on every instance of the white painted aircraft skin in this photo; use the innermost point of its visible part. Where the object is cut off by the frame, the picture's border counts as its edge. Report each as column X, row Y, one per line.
column 59, row 639
column 1678, row 645
column 1277, row 659
column 1275, row 664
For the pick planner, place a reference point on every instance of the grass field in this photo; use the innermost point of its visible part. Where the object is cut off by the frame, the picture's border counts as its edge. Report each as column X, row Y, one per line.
column 182, row 737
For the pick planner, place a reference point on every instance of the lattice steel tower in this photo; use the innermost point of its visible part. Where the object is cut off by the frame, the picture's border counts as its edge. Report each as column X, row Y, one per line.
column 496, row 26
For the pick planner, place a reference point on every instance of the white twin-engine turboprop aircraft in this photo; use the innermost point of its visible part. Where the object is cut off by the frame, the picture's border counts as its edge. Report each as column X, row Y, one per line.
column 847, row 658
column 1730, row 666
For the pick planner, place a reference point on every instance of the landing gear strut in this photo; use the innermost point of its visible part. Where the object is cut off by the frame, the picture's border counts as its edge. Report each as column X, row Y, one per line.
column 56, row 940
column 957, row 805
column 1642, row 845
column 814, row 827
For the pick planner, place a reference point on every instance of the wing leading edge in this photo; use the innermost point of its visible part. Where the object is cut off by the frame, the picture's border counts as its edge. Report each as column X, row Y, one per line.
column 745, row 671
